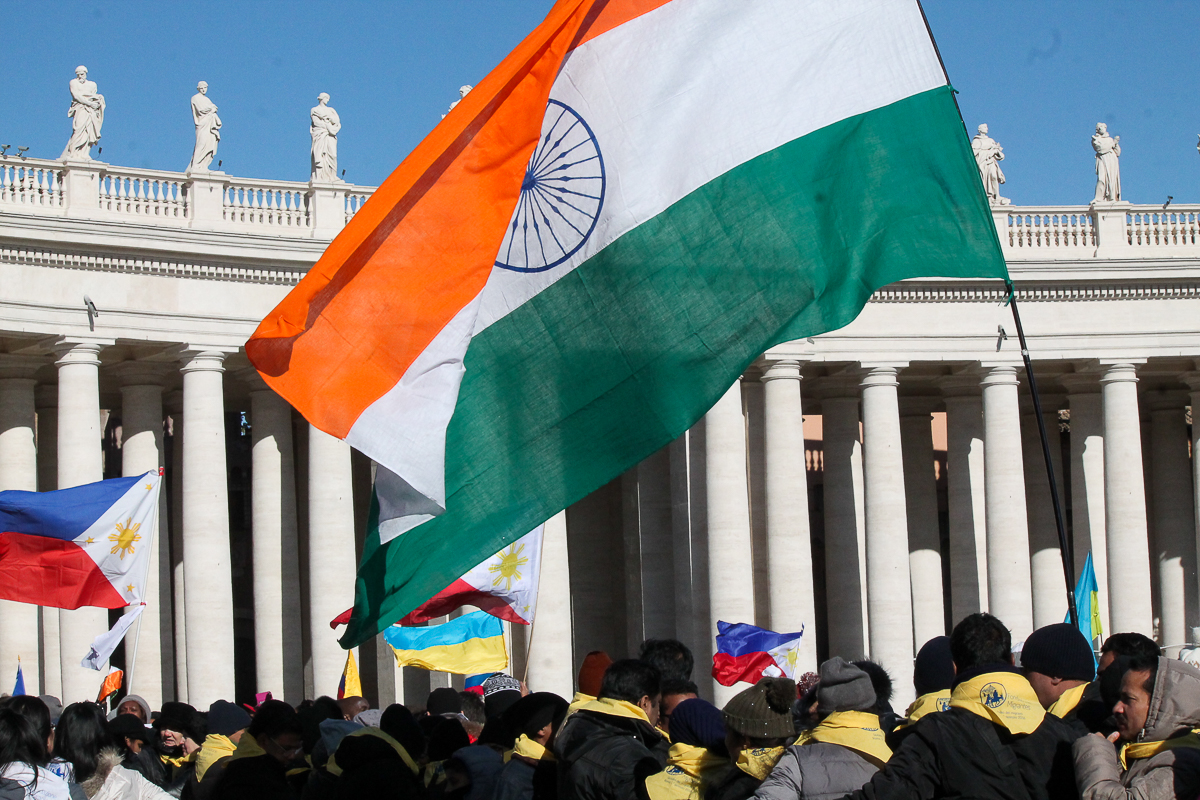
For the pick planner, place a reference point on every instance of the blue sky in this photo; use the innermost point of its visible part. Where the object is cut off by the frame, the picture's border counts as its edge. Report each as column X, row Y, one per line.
column 1041, row 74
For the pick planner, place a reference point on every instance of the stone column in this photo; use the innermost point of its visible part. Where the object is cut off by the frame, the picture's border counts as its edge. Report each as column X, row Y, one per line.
column 845, row 526
column 1046, row 570
column 142, row 451
column 208, row 588
column 551, row 653
column 1009, row 586
column 1087, row 481
column 46, row 400
column 79, row 461
column 1125, row 503
column 331, row 555
column 279, row 662
column 730, row 570
column 1174, row 518
column 966, row 496
column 1192, row 379
column 18, row 471
column 889, row 598
column 924, row 531
column 789, row 548
column 177, row 578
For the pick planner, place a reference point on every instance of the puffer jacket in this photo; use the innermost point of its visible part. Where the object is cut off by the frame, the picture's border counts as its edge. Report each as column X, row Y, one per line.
column 815, row 772
column 1172, row 773
column 605, row 750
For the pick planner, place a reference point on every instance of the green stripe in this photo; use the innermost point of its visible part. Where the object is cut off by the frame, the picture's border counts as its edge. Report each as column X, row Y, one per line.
column 624, row 354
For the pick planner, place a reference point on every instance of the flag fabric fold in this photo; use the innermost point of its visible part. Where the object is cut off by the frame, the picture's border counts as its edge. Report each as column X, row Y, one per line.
column 746, row 653
column 84, row 546
column 470, row 644
column 104, row 644
column 587, row 252
column 1087, row 603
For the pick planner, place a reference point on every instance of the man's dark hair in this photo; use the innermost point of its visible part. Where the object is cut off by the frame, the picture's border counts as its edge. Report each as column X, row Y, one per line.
column 881, row 682
column 1144, row 663
column 472, row 707
column 980, row 639
column 670, row 657
column 631, row 679
column 1131, row 644
column 398, row 722
column 275, row 718
column 678, row 686
column 20, row 743
column 79, row 737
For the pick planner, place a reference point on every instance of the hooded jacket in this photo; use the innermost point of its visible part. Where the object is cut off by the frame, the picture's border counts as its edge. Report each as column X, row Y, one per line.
column 1173, row 771
column 605, row 749
column 961, row 753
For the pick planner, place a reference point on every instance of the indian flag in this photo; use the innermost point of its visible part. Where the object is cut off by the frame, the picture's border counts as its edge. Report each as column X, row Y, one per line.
column 590, row 248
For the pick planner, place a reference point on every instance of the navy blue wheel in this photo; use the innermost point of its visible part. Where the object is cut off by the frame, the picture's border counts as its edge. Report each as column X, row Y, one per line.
column 561, row 195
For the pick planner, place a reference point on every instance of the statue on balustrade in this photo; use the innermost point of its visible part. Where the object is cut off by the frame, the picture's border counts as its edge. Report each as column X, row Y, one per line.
column 208, row 129
column 1108, row 169
column 462, row 92
column 324, row 130
column 988, row 155
column 87, row 117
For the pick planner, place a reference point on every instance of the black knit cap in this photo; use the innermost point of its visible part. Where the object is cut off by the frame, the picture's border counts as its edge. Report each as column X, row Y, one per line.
column 1059, row 651
column 764, row 711
column 226, row 718
column 934, row 667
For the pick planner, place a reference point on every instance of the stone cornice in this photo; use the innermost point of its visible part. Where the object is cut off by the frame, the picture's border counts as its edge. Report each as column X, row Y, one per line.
column 165, row 267
column 928, row 291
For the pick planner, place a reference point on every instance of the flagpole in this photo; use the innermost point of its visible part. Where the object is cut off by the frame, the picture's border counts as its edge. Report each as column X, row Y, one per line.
column 1063, row 544
column 137, row 635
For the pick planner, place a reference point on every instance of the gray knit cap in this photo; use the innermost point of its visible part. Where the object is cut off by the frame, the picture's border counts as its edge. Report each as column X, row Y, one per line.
column 844, row 687
column 764, row 711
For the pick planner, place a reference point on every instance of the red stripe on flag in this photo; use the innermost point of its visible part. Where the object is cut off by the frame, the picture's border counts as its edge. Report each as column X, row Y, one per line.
column 52, row 572
column 459, row 594
column 728, row 670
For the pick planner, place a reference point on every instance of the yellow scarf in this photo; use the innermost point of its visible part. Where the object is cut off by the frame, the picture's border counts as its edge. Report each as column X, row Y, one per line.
column 927, row 704
column 614, row 708
column 579, row 701
column 758, row 762
column 1131, row 751
column 215, row 747
column 528, row 748
column 689, row 771
column 1066, row 703
column 435, row 773
column 856, row 730
column 331, row 766
column 175, row 762
column 1004, row 698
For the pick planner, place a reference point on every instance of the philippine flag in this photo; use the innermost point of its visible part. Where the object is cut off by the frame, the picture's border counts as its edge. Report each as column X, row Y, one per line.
column 746, row 653
column 85, row 546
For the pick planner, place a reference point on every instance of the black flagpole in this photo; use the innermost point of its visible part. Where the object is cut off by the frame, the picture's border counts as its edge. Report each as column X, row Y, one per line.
column 1063, row 545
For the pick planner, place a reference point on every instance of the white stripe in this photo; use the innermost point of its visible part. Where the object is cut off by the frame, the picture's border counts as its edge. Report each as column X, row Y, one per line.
column 685, row 93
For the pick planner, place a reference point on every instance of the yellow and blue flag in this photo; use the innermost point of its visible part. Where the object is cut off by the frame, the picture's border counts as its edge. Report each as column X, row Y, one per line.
column 471, row 644
column 1087, row 600
column 350, row 685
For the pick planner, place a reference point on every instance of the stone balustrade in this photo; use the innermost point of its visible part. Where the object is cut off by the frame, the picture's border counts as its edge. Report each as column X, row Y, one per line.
column 1073, row 232
column 97, row 190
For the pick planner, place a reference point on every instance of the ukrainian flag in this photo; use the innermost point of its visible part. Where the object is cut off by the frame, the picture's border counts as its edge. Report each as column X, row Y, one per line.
column 1087, row 600
column 470, row 644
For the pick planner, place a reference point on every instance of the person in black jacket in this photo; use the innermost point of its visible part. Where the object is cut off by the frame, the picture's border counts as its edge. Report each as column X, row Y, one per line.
column 995, row 741
column 258, row 771
column 531, row 773
column 610, row 744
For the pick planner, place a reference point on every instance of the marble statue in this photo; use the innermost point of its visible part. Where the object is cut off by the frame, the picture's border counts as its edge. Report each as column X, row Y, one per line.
column 1108, row 169
column 988, row 154
column 208, row 129
column 324, row 130
column 462, row 92
column 87, row 117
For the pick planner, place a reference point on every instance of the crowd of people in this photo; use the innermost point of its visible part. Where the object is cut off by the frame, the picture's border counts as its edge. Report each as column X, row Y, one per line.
column 1050, row 723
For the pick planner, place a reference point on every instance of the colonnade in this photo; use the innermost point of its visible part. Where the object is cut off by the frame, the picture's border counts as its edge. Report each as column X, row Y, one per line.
column 894, row 574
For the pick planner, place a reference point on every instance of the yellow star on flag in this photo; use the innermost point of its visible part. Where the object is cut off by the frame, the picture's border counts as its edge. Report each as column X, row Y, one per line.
column 89, row 540
column 129, row 588
column 149, row 486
